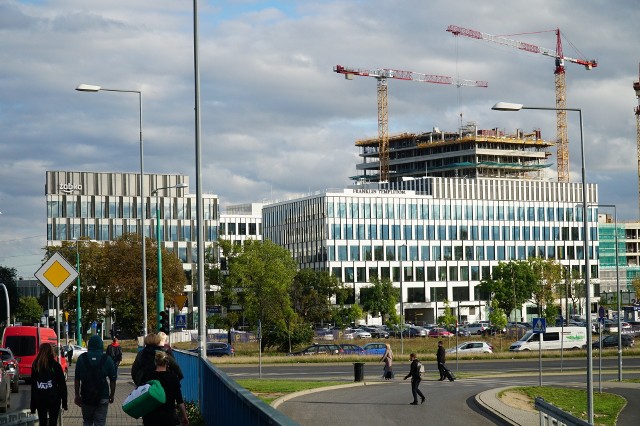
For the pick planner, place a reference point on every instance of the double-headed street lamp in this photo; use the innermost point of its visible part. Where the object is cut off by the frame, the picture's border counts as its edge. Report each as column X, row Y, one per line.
column 160, row 295
column 93, row 88
column 506, row 106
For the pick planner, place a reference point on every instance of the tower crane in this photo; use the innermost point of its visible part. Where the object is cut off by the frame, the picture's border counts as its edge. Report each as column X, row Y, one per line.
column 636, row 87
column 562, row 141
column 382, row 74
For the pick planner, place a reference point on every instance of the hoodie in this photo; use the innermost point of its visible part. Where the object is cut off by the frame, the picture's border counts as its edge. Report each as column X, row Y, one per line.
column 95, row 349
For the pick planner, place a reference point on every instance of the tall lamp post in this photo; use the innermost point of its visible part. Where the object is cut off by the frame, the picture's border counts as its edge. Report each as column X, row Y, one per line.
column 402, row 301
column 506, row 106
column 619, row 295
column 78, row 306
column 93, row 88
column 160, row 295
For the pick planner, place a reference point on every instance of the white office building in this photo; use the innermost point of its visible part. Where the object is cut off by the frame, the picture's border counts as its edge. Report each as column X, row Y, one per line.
column 444, row 234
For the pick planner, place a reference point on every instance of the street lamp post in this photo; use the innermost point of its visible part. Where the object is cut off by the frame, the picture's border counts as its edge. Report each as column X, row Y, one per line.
column 505, row 106
column 93, row 88
column 78, row 306
column 160, row 295
column 401, row 303
column 619, row 295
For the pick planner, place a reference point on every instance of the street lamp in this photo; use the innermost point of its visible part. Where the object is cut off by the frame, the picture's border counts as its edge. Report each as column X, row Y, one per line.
column 160, row 295
column 402, row 301
column 78, row 306
column 93, row 88
column 619, row 295
column 506, row 106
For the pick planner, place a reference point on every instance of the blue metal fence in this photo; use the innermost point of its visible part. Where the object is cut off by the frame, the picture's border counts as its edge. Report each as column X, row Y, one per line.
column 223, row 401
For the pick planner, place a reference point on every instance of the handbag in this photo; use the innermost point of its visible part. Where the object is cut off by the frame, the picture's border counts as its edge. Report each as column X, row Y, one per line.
column 144, row 399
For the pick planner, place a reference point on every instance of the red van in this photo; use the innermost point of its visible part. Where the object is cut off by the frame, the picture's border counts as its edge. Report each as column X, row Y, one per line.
column 24, row 341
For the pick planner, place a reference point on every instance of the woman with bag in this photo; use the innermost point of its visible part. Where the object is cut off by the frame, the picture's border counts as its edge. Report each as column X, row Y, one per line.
column 165, row 414
column 48, row 387
column 387, row 358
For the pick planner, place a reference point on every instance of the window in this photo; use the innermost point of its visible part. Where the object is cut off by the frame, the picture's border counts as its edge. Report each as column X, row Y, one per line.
column 551, row 337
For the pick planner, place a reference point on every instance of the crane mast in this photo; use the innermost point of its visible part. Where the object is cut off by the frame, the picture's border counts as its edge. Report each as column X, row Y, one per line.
column 562, row 141
column 381, row 75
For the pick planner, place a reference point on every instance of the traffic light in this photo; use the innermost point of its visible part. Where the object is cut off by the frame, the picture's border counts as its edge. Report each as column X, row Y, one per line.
column 164, row 321
column 99, row 328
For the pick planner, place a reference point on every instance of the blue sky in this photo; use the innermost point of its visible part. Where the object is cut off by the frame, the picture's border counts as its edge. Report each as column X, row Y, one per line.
column 277, row 121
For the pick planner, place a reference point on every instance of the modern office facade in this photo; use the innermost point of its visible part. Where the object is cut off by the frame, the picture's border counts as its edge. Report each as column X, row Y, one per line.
column 444, row 234
column 241, row 222
column 105, row 206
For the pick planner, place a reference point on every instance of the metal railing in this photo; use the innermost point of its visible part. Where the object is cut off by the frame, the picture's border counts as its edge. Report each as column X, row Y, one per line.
column 552, row 415
column 223, row 401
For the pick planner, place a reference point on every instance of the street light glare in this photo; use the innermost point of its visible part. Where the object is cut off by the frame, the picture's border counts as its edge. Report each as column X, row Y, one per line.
column 507, row 106
column 88, row 88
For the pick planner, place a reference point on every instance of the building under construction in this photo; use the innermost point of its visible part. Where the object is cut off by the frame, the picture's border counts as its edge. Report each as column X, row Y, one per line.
column 470, row 152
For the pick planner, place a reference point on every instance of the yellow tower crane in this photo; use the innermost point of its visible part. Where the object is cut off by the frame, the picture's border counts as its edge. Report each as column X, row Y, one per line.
column 561, row 85
column 382, row 74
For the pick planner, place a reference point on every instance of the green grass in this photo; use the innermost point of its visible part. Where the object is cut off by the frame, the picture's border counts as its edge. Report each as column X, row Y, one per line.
column 606, row 406
column 269, row 390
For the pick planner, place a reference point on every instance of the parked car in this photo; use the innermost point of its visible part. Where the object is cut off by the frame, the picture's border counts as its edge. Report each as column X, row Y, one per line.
column 472, row 347
column 612, row 341
column 318, row 349
column 351, row 349
column 476, row 328
column 356, row 333
column 415, row 331
column 10, row 363
column 377, row 332
column 374, row 348
column 77, row 351
column 439, row 332
column 5, row 390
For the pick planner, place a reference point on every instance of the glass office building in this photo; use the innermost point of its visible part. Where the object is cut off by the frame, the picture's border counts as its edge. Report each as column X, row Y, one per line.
column 435, row 237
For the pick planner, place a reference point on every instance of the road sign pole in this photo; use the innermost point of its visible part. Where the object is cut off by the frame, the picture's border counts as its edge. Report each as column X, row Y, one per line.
column 539, row 360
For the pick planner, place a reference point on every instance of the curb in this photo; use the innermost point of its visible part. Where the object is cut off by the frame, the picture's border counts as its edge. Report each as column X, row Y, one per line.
column 285, row 398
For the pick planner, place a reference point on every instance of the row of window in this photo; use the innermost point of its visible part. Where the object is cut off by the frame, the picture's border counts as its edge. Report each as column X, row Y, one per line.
column 427, row 209
column 240, row 228
column 352, row 253
column 458, row 232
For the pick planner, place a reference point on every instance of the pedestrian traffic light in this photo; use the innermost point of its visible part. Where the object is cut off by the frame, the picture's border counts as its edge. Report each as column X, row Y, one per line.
column 164, row 321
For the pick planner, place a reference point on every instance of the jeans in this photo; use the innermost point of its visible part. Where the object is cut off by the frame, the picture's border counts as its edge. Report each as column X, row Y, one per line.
column 95, row 415
column 414, row 389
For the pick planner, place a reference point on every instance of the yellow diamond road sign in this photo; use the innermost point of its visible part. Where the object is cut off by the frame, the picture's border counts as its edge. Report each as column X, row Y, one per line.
column 56, row 274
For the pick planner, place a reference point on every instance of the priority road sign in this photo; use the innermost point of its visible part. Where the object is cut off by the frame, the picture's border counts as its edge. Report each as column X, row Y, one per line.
column 539, row 325
column 56, row 274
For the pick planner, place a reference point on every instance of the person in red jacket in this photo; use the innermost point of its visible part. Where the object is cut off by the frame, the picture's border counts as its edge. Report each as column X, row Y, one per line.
column 114, row 351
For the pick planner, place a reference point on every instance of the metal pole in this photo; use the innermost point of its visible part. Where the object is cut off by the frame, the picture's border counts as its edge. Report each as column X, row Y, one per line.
column 143, row 201
column 6, row 297
column 160, row 295
column 78, row 306
column 401, row 307
column 615, row 216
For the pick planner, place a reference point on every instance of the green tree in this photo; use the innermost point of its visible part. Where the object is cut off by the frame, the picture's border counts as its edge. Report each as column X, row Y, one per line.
column 8, row 277
column 310, row 294
column 548, row 275
column 511, row 284
column 448, row 319
column 380, row 298
column 264, row 272
column 497, row 316
column 29, row 310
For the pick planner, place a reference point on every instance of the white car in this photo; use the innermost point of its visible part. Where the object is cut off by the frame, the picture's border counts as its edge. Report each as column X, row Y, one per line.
column 472, row 347
column 77, row 350
column 356, row 333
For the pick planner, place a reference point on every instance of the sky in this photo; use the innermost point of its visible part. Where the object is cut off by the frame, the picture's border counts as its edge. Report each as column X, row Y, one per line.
column 277, row 122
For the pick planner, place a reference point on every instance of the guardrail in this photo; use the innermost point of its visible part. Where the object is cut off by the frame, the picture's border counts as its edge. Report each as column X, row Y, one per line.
column 552, row 415
column 19, row 418
column 222, row 400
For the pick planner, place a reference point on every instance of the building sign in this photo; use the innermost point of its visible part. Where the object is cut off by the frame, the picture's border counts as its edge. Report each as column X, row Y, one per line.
column 69, row 188
column 380, row 191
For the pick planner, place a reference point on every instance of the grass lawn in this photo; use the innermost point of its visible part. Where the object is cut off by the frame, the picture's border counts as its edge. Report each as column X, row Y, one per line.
column 606, row 406
column 269, row 390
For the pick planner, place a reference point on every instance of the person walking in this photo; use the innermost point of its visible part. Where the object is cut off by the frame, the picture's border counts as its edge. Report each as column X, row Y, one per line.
column 114, row 351
column 144, row 364
column 92, row 392
column 416, row 378
column 48, row 387
column 387, row 358
column 441, row 359
column 165, row 414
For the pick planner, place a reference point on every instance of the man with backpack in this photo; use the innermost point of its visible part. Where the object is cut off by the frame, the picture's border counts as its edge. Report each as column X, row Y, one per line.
column 92, row 392
column 114, row 351
column 416, row 371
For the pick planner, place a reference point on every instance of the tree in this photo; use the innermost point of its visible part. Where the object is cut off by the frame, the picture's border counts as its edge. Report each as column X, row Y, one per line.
column 511, row 284
column 380, row 298
column 448, row 319
column 310, row 294
column 29, row 310
column 636, row 286
column 577, row 292
column 264, row 272
column 497, row 316
column 8, row 277
column 548, row 275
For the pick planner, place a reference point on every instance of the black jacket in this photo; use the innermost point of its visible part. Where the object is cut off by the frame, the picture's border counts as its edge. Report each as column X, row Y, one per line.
column 440, row 355
column 48, row 387
column 414, row 371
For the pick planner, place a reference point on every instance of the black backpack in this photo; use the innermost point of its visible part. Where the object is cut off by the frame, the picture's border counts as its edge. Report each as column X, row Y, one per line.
column 94, row 382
